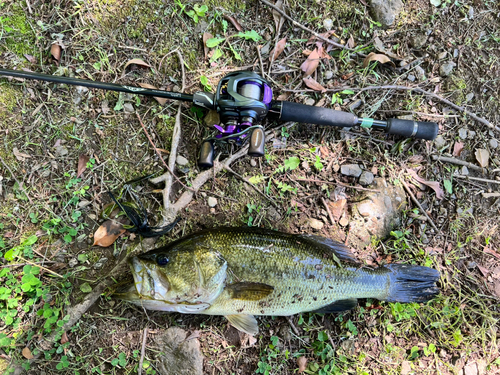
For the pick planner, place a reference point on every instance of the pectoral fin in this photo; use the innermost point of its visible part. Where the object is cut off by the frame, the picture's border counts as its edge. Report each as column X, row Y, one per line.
column 249, row 291
column 245, row 323
column 338, row 306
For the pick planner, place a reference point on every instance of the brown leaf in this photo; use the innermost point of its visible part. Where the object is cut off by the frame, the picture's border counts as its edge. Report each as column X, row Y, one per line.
column 457, row 148
column 284, row 96
column 280, row 47
column 383, row 59
column 206, row 36
column 235, row 23
column 482, row 156
column 27, row 353
column 306, row 52
column 483, row 270
column 314, row 38
column 310, row 65
column 492, row 252
column 323, row 54
column 64, row 338
column 379, row 46
column 302, row 363
column 138, row 62
column 160, row 100
column 30, row 58
column 278, row 18
column 55, row 51
column 82, row 164
column 351, row 43
column 312, row 84
column 19, row 155
column 434, row 185
column 337, row 208
column 107, row 233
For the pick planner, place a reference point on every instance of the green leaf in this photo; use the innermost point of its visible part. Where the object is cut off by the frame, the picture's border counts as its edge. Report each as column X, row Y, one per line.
column 347, row 92
column 85, row 288
column 448, row 186
column 68, row 238
column 213, row 42
column 4, row 340
column 82, row 258
column 120, row 102
column 11, row 254
column 217, row 54
column 235, row 53
column 292, row 163
column 252, row 34
column 256, row 179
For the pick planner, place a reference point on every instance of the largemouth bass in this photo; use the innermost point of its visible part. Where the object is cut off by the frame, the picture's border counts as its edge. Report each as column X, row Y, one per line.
column 242, row 272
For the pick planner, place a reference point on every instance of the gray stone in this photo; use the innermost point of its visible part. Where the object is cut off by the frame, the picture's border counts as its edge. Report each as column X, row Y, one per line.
column 442, row 55
column 309, row 101
column 128, row 108
column 181, row 160
column 470, row 14
column 356, row 104
column 411, row 78
column 328, row 24
column 366, row 178
column 100, row 263
column 462, row 133
column 181, row 354
column 61, row 150
column 465, row 171
column 446, row 69
column 472, row 134
column 493, row 143
column 439, row 142
column 386, row 11
column 419, row 72
column 455, row 53
column 365, row 209
column 316, row 224
column 469, row 96
column 351, row 170
column 417, row 41
column 253, row 162
column 73, row 262
column 328, row 74
column 212, row 201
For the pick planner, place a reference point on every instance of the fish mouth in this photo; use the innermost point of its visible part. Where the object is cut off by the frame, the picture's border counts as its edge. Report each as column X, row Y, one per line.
column 148, row 283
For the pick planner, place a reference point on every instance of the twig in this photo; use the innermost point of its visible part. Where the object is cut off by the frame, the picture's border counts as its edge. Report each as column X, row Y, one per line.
column 307, row 29
column 446, row 159
column 29, row 7
column 428, row 93
column 229, row 169
column 336, row 183
column 477, row 179
column 14, row 177
column 328, row 210
column 419, row 206
column 260, row 61
column 23, row 264
column 294, row 329
column 143, row 350
column 42, row 267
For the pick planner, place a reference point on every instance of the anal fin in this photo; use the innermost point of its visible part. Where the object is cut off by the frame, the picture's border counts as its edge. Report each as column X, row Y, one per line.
column 245, row 323
column 338, row 306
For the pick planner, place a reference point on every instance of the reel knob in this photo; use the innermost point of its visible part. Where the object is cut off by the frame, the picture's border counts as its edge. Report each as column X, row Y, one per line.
column 257, row 141
column 206, row 158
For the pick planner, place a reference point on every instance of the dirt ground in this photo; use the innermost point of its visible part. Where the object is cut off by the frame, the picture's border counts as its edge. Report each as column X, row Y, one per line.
column 63, row 147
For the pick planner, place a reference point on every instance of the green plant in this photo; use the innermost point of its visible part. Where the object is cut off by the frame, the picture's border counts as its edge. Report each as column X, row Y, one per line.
column 272, row 360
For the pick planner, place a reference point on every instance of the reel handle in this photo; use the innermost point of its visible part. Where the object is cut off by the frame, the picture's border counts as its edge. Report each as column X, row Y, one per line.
column 206, row 157
column 257, row 141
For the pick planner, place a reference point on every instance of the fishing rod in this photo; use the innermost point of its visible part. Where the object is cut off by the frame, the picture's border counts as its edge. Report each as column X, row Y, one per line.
column 243, row 100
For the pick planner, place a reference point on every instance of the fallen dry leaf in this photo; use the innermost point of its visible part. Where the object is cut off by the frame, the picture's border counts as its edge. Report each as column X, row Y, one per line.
column 19, row 155
column 206, row 36
column 315, row 39
column 457, row 148
column 379, row 46
column 482, row 156
column 55, row 51
column 27, row 353
column 280, row 47
column 311, row 63
column 82, row 164
column 30, row 58
column 312, row 84
column 350, row 42
column 302, row 363
column 107, row 233
column 383, row 59
column 137, row 62
column 483, row 270
column 278, row 18
column 434, row 185
column 337, row 208
column 492, row 252
column 162, row 101
column 233, row 21
column 64, row 338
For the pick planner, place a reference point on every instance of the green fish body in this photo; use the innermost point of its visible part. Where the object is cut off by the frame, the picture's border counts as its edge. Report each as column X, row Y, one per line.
column 242, row 272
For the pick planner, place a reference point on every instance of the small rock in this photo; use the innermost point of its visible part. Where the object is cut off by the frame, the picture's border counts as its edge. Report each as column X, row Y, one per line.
column 253, row 163
column 344, row 222
column 73, row 262
column 465, row 171
column 309, row 101
column 100, row 263
column 61, row 150
column 455, row 53
column 462, row 133
column 128, row 108
column 470, row 369
column 356, row 104
column 366, row 178
column 316, row 224
column 212, row 201
column 470, row 14
column 405, row 367
column 469, row 96
column 328, row 74
column 446, row 69
column 328, row 24
column 351, row 170
column 418, row 41
column 365, row 209
column 181, row 355
column 493, row 143
column 472, row 134
column 420, row 72
column 439, row 142
column 411, row 78
column 181, row 160
column 442, row 55
column 386, row 11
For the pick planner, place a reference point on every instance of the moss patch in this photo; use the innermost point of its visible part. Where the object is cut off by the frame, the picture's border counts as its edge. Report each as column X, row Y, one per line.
column 17, row 33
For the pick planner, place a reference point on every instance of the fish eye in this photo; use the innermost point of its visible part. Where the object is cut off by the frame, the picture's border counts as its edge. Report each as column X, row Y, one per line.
column 162, row 260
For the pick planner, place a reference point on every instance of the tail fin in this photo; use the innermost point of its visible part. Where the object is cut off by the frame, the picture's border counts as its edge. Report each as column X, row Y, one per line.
column 411, row 283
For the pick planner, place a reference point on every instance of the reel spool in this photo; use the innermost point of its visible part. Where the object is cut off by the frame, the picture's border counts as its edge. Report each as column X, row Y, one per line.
column 242, row 99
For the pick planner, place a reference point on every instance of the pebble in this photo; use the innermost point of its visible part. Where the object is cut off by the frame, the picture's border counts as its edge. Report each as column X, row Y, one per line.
column 61, row 151
column 356, row 104
column 418, row 40
column 446, row 69
column 442, row 55
column 309, row 101
column 328, row 23
column 73, row 262
column 493, row 143
column 462, row 133
column 181, row 160
column 212, row 201
column 366, row 178
column 472, row 134
column 439, row 142
column 465, row 171
column 420, row 72
column 328, row 74
column 469, row 96
column 350, row 170
column 343, row 221
column 100, row 263
column 365, row 209
column 253, row 162
column 411, row 78
column 316, row 224
column 470, row 14
column 128, row 107
column 455, row 53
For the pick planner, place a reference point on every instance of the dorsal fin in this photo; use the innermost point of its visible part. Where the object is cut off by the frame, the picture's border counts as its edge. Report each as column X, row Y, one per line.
column 341, row 251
